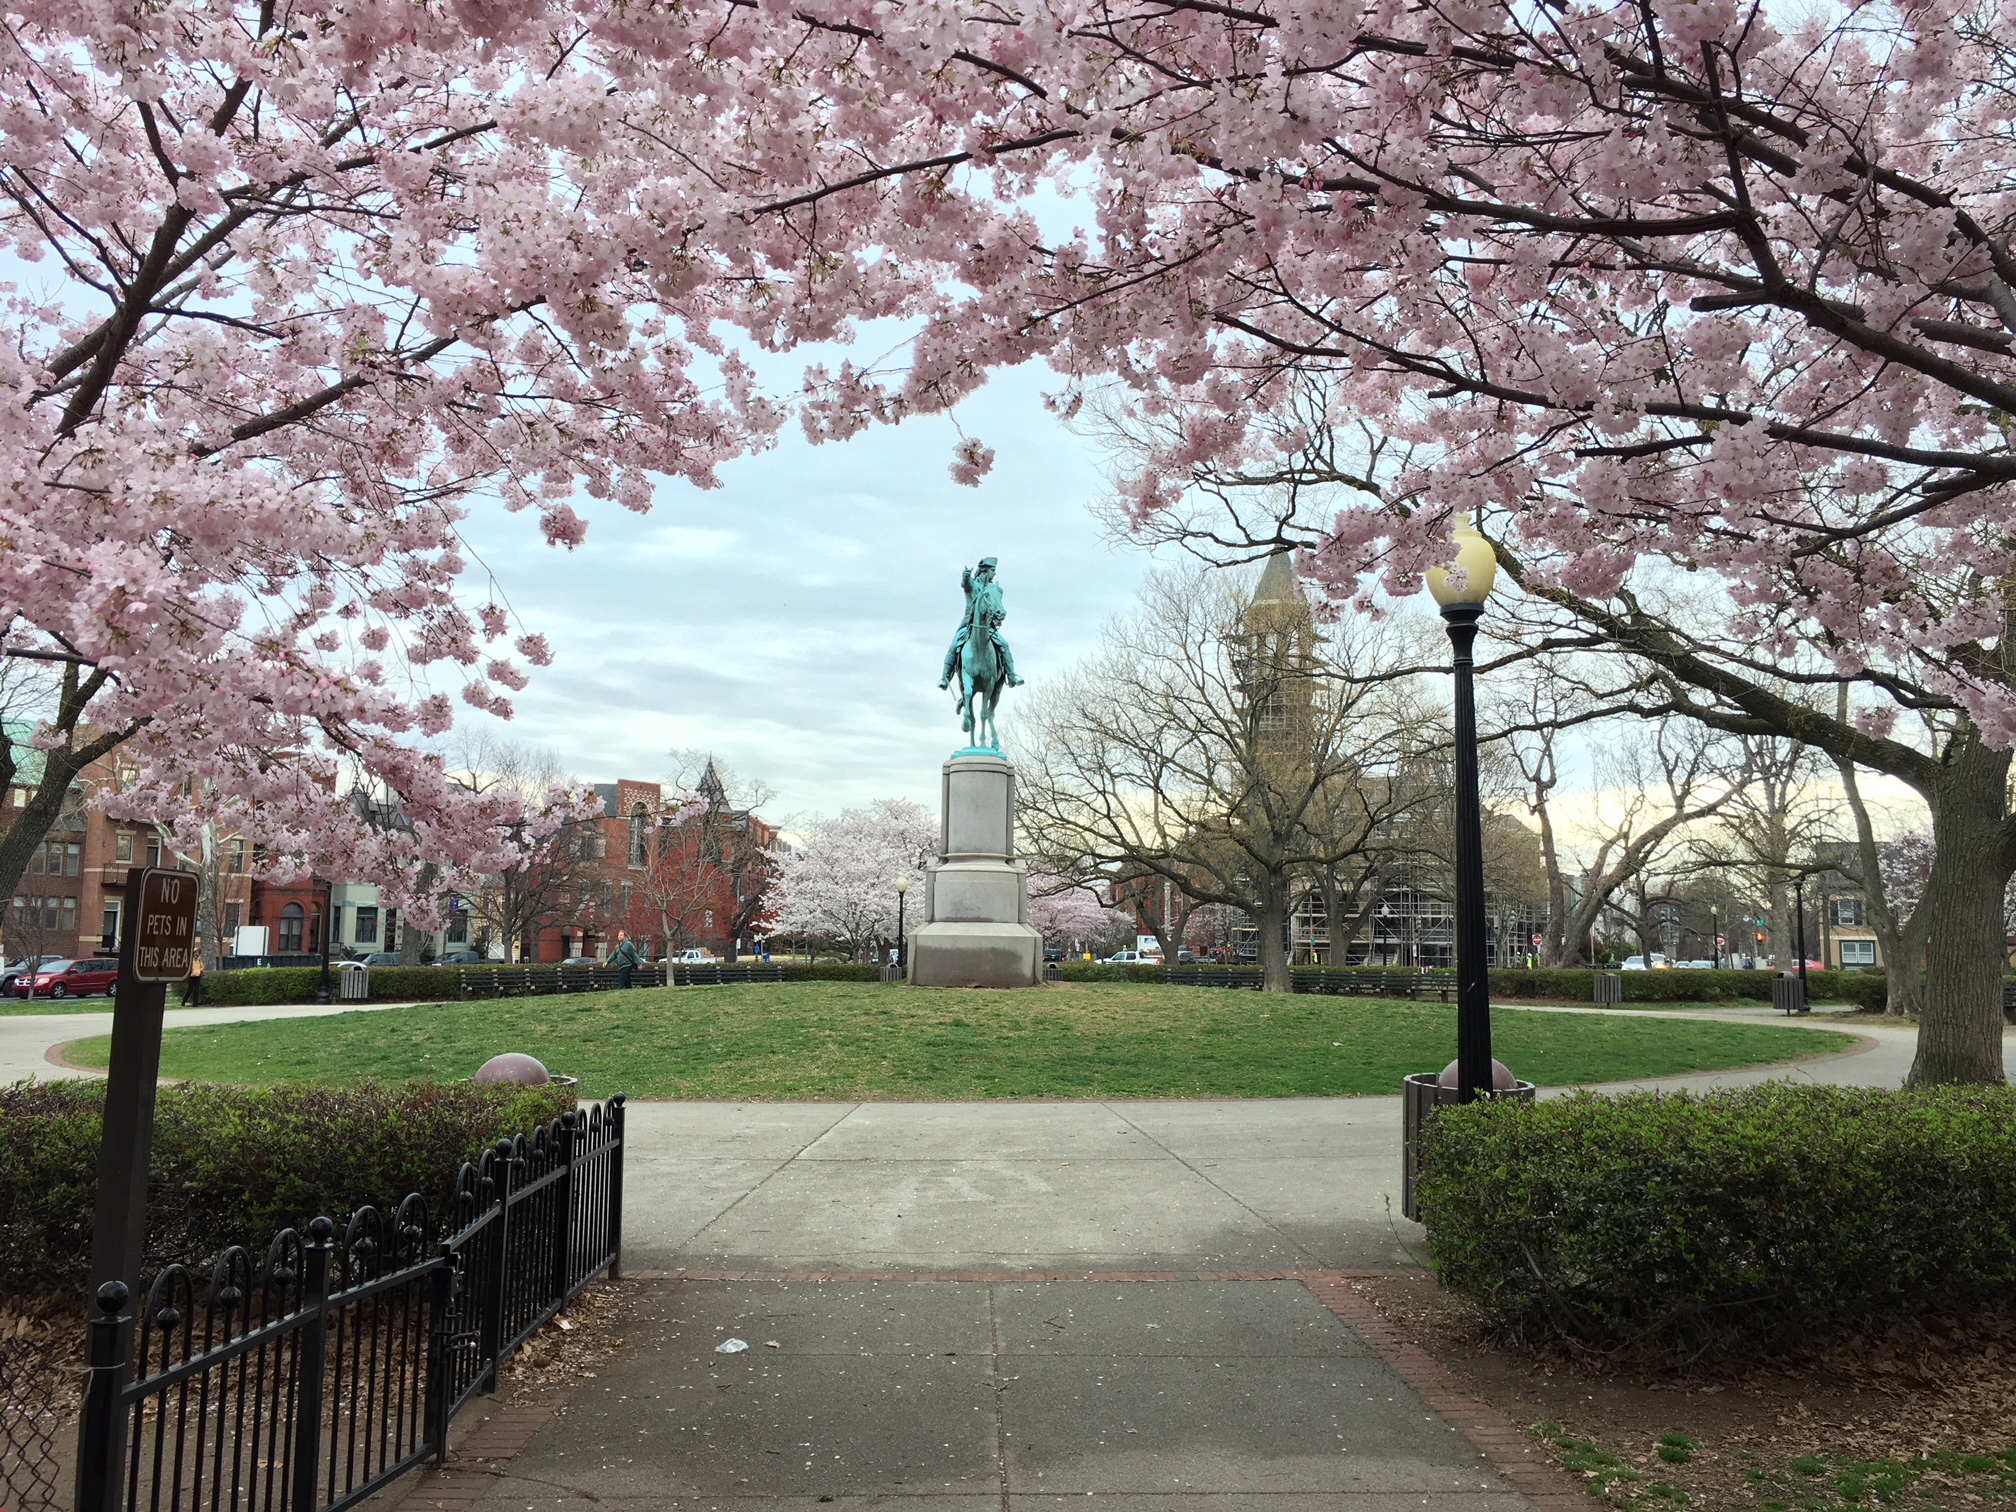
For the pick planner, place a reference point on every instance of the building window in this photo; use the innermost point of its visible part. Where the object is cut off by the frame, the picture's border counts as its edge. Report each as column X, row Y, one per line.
column 122, row 846
column 710, row 918
column 232, row 914
column 153, row 850
column 69, row 925
column 291, row 919
column 458, row 922
column 111, row 921
column 640, row 837
column 367, row 925
column 73, row 860
column 237, row 858
column 1858, row 952
column 1848, row 911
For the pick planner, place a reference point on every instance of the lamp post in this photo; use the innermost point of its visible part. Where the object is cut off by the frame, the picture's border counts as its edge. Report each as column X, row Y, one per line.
column 1715, row 936
column 1799, row 937
column 902, row 891
column 322, row 993
column 1461, row 589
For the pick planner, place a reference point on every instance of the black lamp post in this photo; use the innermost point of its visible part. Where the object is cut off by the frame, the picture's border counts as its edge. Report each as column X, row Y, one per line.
column 1799, row 937
column 323, row 993
column 902, row 892
column 1715, row 937
column 1461, row 590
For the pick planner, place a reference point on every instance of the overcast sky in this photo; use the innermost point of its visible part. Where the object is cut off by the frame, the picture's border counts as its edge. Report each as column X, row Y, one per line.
column 794, row 620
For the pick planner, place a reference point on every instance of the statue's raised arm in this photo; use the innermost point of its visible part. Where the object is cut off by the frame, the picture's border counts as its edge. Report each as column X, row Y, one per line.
column 980, row 656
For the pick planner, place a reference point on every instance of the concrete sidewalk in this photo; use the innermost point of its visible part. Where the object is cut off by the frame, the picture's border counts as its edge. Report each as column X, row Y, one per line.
column 1230, row 1396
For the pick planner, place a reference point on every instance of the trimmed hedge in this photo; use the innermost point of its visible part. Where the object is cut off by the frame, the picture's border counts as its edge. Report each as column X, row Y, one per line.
column 1865, row 989
column 831, row 971
column 1094, row 971
column 1679, row 1223
column 233, row 1165
column 298, row 984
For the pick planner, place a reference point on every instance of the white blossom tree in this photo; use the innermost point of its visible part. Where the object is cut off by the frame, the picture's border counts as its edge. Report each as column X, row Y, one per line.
column 1068, row 913
column 841, row 879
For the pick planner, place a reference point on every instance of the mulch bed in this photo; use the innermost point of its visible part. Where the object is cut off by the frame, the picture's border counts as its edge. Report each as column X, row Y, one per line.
column 1917, row 1414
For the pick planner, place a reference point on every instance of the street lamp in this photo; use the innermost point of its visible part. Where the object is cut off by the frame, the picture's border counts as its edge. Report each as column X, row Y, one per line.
column 902, row 955
column 1461, row 589
column 1799, row 935
column 1715, row 938
column 322, row 993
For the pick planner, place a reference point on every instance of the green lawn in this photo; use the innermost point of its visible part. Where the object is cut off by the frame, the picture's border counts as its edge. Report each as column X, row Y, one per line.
column 844, row 1040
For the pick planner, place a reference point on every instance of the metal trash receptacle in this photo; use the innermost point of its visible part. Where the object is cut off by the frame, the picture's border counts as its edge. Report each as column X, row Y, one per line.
column 1609, row 987
column 1420, row 1095
column 355, row 986
column 1788, row 994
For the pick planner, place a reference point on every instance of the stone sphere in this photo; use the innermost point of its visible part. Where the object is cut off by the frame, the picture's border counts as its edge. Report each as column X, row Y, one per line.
column 522, row 1069
column 1501, row 1079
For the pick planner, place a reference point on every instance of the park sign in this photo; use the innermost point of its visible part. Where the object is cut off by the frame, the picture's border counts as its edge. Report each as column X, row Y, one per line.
column 159, row 936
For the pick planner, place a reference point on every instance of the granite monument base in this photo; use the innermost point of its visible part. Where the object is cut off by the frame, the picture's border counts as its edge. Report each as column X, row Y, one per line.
column 976, row 930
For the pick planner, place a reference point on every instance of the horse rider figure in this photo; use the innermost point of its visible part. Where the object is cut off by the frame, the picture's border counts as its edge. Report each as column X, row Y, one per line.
column 984, row 611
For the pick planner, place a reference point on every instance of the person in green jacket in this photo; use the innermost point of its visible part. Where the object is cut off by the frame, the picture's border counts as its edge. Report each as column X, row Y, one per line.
column 624, row 958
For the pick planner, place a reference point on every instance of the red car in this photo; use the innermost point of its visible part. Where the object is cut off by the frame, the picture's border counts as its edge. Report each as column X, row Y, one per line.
column 62, row 979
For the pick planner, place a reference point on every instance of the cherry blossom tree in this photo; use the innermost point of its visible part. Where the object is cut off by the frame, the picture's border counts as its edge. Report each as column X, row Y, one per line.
column 840, row 880
column 1674, row 278
column 1068, row 913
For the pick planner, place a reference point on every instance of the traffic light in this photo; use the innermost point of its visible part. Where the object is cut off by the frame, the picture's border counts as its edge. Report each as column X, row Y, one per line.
column 1760, row 937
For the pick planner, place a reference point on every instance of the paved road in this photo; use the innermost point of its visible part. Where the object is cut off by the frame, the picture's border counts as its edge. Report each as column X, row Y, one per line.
column 27, row 1038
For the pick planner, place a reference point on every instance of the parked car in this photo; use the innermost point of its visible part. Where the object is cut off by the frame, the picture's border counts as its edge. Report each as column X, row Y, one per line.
column 462, row 958
column 699, row 956
column 25, row 964
column 580, row 961
column 1131, row 958
column 1693, row 965
column 1655, row 962
column 1186, row 957
column 64, row 979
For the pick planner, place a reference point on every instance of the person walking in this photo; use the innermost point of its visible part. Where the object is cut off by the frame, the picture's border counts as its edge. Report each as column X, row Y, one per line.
column 192, row 985
column 624, row 958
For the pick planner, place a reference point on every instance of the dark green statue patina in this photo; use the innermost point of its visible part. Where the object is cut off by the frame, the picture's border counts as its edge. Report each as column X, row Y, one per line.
column 980, row 656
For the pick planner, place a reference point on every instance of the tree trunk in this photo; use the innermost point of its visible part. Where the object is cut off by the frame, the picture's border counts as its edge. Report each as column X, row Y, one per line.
column 1960, row 1027
column 1272, row 920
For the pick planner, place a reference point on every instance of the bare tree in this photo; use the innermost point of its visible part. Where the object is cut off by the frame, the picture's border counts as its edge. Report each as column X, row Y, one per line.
column 1649, row 793
column 1212, row 741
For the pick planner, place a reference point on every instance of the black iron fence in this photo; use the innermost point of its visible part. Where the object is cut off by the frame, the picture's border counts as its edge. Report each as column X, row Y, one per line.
column 36, row 1391
column 306, row 1380
column 527, row 981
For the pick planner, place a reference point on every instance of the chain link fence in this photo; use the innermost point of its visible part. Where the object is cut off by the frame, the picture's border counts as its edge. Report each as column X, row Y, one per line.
column 38, row 1401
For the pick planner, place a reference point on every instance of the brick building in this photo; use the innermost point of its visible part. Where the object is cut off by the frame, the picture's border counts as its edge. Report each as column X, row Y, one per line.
column 70, row 900
column 675, row 872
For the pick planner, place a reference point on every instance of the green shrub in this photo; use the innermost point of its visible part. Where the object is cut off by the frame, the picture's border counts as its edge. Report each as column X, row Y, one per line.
column 233, row 1165
column 1690, row 1221
column 1863, row 989
column 298, row 984
column 832, row 971
column 1095, row 971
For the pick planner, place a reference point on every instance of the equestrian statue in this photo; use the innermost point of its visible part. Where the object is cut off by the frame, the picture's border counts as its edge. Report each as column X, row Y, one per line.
column 980, row 656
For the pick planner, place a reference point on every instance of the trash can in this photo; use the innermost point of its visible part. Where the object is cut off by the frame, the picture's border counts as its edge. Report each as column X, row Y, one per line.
column 354, row 986
column 1788, row 994
column 1420, row 1095
column 1609, row 987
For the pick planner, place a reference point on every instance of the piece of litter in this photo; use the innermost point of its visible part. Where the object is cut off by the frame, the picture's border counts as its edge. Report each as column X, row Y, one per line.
column 731, row 1346
column 772, row 1344
column 565, row 1326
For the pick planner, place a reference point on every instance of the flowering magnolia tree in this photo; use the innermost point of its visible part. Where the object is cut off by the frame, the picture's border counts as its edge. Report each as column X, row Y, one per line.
column 1671, row 276
column 840, row 881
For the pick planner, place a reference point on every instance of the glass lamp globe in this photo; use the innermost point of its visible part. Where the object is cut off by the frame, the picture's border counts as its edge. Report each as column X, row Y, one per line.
column 1467, row 579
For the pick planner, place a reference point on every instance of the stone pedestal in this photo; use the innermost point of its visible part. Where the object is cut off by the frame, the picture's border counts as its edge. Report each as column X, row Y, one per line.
column 976, row 898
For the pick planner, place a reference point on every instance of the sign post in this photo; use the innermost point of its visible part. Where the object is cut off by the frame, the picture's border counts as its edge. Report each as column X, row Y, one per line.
column 155, row 948
column 156, row 945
